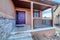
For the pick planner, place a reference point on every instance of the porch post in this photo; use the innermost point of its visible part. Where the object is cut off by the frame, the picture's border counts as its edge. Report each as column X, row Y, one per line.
column 52, row 16
column 32, row 15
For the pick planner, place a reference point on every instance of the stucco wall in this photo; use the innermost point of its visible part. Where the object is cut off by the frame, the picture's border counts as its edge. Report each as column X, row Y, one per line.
column 7, row 7
column 55, row 18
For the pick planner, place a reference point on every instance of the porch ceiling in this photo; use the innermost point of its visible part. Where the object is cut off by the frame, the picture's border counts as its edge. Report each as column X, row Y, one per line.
column 23, row 4
column 48, row 2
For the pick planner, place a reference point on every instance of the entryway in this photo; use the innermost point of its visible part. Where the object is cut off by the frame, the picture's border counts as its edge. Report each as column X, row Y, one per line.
column 20, row 17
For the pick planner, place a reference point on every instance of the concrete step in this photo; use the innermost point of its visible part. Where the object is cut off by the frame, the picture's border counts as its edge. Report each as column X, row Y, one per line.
column 22, row 36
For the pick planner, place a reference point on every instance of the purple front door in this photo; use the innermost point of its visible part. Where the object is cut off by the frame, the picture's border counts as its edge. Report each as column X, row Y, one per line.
column 20, row 17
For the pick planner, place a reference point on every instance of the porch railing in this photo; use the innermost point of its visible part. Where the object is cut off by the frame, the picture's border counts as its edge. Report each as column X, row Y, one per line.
column 42, row 23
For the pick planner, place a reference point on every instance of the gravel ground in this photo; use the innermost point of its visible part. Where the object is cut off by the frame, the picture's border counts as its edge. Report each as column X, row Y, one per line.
column 37, row 37
column 53, row 38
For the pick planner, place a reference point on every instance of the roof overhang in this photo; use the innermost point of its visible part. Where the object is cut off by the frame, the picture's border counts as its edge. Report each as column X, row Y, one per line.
column 37, row 4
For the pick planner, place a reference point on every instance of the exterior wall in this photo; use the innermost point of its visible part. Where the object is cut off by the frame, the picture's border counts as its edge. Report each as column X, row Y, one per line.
column 7, row 18
column 47, row 33
column 6, row 26
column 55, row 19
column 7, row 7
column 28, row 16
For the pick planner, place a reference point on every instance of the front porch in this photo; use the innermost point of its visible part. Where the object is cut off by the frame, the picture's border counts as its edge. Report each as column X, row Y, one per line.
column 33, row 13
column 30, row 25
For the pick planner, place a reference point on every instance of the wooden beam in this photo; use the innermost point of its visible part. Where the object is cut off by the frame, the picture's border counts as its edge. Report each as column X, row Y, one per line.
column 42, row 4
column 37, row 3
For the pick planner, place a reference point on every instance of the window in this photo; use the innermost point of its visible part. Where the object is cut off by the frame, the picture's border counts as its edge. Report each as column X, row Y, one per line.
column 36, row 14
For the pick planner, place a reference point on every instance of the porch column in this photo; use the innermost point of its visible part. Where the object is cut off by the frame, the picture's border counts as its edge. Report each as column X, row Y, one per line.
column 52, row 16
column 31, row 15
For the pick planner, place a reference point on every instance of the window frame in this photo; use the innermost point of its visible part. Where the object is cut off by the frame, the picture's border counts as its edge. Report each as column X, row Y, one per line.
column 37, row 14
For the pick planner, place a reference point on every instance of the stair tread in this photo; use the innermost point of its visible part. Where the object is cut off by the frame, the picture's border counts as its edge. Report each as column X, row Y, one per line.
column 23, row 36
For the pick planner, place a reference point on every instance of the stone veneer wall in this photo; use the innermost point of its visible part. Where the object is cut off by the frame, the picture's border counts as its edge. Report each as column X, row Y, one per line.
column 6, row 26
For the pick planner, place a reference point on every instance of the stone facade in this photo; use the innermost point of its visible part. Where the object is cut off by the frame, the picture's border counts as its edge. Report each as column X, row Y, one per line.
column 6, row 26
